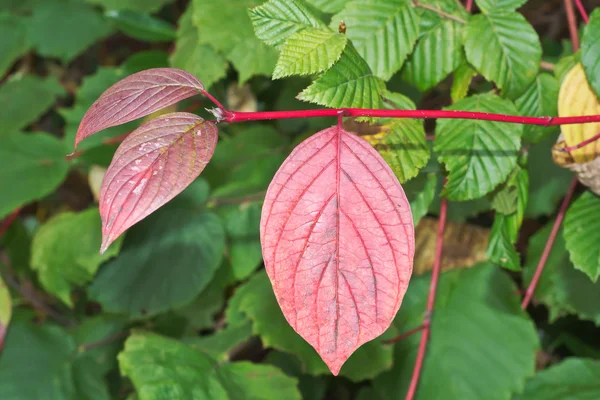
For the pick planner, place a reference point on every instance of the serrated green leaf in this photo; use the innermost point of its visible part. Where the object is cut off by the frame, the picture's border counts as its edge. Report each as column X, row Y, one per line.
column 136, row 5
column 13, row 40
column 276, row 20
column 439, row 48
column 505, row 49
column 504, row 200
column 384, row 32
column 162, row 368
column 419, row 206
column 74, row 26
column 141, row 26
column 201, row 60
column 308, row 52
column 561, row 288
column 349, row 83
column 461, row 335
column 573, row 379
column 478, row 155
column 463, row 76
column 565, row 64
column 539, row 100
column 328, row 6
column 24, row 99
column 40, row 362
column 397, row 101
column 489, row 6
column 65, row 252
column 403, row 146
column 166, row 260
column 582, row 234
column 590, row 51
column 33, row 166
column 229, row 31
column 255, row 301
column 548, row 181
column 501, row 249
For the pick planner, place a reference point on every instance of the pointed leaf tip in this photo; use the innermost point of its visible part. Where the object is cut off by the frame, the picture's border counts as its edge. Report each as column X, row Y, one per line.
column 338, row 243
column 153, row 164
column 136, row 96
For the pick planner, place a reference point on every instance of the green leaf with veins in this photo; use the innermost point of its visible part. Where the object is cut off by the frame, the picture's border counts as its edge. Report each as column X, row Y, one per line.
column 582, row 234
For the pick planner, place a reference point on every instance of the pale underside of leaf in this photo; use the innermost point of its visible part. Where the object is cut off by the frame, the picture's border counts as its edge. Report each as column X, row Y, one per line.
column 136, row 96
column 338, row 243
column 153, row 164
column 308, row 52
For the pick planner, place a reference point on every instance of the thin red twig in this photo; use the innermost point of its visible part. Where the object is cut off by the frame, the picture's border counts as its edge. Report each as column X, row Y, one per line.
column 582, row 12
column 215, row 101
column 581, row 144
column 8, row 221
column 404, row 335
column 555, row 228
column 469, row 5
column 418, row 114
column 435, row 274
column 572, row 22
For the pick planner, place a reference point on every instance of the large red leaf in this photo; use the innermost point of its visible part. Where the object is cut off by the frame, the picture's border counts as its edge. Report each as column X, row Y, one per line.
column 136, row 96
column 338, row 243
column 153, row 164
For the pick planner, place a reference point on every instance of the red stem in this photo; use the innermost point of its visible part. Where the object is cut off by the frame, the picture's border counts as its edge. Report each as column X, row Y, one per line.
column 469, row 5
column 549, row 244
column 216, row 102
column 8, row 221
column 420, row 114
column 581, row 144
column 435, row 274
column 572, row 22
column 582, row 12
column 404, row 335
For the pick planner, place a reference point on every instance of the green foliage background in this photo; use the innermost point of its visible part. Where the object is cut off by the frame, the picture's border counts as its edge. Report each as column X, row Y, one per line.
column 181, row 308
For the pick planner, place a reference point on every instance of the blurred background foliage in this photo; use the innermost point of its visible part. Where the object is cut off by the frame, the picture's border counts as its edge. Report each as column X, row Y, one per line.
column 181, row 307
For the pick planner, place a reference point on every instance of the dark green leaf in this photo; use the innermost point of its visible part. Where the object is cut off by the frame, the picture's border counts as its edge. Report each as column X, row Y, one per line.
column 422, row 201
column 488, row 6
column 582, row 234
column 479, row 155
column 590, row 50
column 219, row 344
column 539, row 100
column 13, row 40
column 142, row 26
column 33, row 166
column 145, row 60
column 137, row 5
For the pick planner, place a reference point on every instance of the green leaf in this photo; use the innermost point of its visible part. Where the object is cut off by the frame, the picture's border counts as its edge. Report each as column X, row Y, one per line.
column 383, row 31
column 136, row 5
column 590, row 48
column 24, row 99
column 255, row 300
column 276, row 20
column 328, row 6
column 565, row 64
column 439, row 49
column 501, row 249
column 478, row 155
column 489, row 6
column 573, row 379
column 13, row 40
column 463, row 76
column 539, row 100
column 454, row 366
column 166, row 260
column 39, row 362
column 5, row 310
column 146, row 59
column 141, row 26
column 403, row 146
column 308, row 52
column 419, row 206
column 561, row 288
column 74, row 28
column 582, row 234
column 349, row 83
column 33, row 166
column 229, row 31
column 95, row 329
column 219, row 344
column 242, row 225
column 397, row 101
column 65, row 252
column 505, row 49
column 201, row 60
column 162, row 368
column 311, row 387
column 548, row 181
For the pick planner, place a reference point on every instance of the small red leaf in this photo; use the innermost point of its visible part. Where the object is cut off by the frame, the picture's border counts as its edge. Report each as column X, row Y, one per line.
column 136, row 96
column 153, row 164
column 338, row 243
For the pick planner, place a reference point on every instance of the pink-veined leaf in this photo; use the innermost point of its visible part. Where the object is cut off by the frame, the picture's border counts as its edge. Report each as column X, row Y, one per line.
column 136, row 96
column 153, row 164
column 338, row 243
